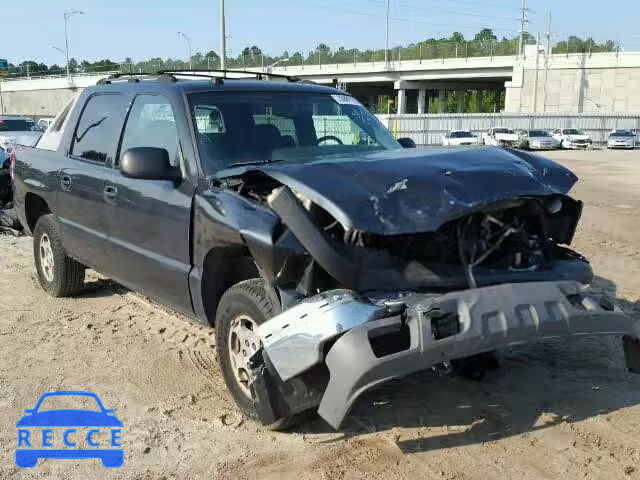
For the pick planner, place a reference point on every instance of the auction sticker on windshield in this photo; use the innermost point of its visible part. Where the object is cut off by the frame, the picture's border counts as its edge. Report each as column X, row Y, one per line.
column 345, row 100
column 69, row 425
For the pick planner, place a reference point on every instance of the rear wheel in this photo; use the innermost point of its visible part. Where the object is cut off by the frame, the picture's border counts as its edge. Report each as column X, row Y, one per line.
column 242, row 309
column 58, row 274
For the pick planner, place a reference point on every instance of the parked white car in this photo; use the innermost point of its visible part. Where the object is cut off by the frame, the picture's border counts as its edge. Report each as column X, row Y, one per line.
column 500, row 137
column 572, row 138
column 621, row 139
column 459, row 137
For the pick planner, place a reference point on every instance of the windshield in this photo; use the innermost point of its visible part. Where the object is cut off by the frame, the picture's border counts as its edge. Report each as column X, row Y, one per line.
column 573, row 131
column 539, row 133
column 236, row 128
column 18, row 125
column 622, row 134
column 66, row 402
column 461, row 135
column 503, row 130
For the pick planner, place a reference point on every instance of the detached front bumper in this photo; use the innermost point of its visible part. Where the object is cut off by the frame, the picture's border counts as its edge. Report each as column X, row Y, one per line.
column 420, row 331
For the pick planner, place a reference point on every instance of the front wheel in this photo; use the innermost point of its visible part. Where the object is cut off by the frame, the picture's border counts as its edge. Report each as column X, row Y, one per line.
column 58, row 274
column 242, row 309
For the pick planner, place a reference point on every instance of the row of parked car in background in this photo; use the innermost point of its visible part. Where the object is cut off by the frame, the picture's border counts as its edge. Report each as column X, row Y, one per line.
column 537, row 139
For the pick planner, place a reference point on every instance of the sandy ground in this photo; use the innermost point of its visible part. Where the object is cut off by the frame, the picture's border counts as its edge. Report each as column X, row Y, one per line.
column 555, row 410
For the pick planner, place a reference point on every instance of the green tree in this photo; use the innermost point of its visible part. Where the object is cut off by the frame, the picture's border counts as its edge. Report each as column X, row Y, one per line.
column 485, row 35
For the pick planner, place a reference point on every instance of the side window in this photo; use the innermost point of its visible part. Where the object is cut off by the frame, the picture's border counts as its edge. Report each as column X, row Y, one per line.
column 151, row 123
column 97, row 133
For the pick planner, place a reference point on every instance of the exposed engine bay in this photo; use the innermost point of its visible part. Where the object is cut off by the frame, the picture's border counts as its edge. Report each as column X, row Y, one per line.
column 396, row 273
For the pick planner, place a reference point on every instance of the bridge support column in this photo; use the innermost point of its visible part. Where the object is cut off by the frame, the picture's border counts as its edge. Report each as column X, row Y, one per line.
column 442, row 101
column 461, row 100
column 422, row 97
column 479, row 100
column 402, row 101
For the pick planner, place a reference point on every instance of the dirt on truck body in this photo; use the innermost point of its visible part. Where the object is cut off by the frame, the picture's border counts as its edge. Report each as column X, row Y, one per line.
column 329, row 258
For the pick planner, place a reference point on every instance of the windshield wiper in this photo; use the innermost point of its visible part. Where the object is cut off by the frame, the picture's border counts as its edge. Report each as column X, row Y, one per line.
column 255, row 162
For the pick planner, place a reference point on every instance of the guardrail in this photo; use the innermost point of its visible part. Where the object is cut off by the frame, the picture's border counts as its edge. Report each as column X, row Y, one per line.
column 37, row 76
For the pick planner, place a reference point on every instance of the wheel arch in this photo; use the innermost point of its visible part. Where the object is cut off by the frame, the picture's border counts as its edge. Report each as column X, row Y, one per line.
column 34, row 207
column 221, row 269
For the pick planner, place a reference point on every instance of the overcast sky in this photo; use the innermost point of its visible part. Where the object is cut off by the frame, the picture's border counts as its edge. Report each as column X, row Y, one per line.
column 142, row 29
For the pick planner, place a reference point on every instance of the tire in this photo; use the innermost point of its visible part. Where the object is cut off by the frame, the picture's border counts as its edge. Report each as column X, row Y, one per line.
column 58, row 274
column 563, row 145
column 247, row 301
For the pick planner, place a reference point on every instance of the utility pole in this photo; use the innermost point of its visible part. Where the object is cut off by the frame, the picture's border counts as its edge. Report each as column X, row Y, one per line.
column 546, row 63
column 223, row 39
column 535, row 80
column 523, row 22
column 386, row 48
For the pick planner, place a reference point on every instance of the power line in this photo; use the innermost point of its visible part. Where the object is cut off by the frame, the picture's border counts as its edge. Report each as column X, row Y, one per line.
column 403, row 19
column 431, row 9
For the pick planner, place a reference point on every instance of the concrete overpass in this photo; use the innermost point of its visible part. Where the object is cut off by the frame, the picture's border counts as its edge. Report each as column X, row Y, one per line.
column 574, row 83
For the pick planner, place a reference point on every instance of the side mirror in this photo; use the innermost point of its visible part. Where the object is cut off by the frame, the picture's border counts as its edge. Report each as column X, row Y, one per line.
column 407, row 143
column 148, row 163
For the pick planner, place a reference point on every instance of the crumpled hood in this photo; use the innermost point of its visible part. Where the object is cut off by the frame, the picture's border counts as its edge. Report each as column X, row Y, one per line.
column 417, row 190
column 578, row 137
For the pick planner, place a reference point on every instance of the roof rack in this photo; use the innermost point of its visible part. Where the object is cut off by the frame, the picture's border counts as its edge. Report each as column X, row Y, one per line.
column 171, row 76
column 213, row 73
column 133, row 77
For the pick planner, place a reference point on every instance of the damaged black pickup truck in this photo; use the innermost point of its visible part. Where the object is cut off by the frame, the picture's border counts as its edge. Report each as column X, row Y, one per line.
column 329, row 258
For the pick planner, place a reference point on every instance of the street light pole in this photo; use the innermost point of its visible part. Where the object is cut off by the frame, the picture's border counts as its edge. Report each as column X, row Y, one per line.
column 282, row 60
column 67, row 16
column 386, row 48
column 223, row 39
column 188, row 39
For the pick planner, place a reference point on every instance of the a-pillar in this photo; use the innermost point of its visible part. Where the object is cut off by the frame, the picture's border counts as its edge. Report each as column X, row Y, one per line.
column 479, row 101
column 442, row 101
column 402, row 101
column 461, row 94
column 422, row 99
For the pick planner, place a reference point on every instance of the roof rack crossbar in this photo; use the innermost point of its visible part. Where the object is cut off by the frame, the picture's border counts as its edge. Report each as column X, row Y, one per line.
column 133, row 77
column 211, row 73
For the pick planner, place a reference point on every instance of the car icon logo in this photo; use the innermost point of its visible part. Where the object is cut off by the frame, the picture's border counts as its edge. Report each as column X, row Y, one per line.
column 85, row 433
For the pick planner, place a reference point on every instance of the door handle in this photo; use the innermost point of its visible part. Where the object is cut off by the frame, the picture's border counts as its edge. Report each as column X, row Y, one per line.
column 110, row 192
column 65, row 183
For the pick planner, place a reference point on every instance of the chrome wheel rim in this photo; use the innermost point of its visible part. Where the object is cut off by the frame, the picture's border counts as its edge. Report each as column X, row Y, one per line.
column 46, row 257
column 243, row 343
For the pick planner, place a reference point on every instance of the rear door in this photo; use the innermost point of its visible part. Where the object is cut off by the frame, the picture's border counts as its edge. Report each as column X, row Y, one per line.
column 151, row 219
column 83, row 204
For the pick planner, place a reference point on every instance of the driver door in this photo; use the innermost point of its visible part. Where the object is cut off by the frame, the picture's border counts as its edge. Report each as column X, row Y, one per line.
column 150, row 220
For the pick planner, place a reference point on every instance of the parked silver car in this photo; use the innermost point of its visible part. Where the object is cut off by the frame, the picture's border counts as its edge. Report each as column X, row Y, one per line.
column 621, row 139
column 18, row 131
column 536, row 140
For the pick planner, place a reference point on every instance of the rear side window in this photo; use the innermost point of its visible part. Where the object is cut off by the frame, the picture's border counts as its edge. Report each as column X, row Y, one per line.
column 96, row 136
column 151, row 123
